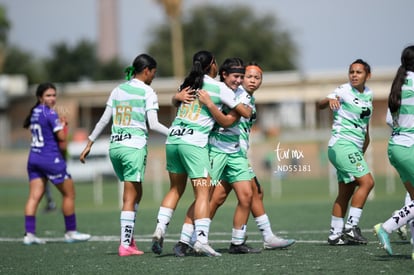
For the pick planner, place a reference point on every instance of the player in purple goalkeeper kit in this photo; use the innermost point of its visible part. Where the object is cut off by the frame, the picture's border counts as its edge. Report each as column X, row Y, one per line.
column 46, row 163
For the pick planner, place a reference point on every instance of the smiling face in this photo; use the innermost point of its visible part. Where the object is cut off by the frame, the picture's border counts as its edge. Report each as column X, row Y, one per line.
column 233, row 80
column 48, row 98
column 358, row 76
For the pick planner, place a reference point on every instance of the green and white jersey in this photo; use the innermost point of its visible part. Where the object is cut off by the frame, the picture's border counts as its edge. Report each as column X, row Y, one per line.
column 403, row 121
column 227, row 140
column 194, row 122
column 129, row 102
column 246, row 124
column 351, row 120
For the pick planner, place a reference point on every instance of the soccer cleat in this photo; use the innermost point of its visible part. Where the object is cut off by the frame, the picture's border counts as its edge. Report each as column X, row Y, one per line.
column 383, row 238
column 205, row 249
column 337, row 239
column 403, row 232
column 277, row 243
column 129, row 251
column 157, row 241
column 30, row 238
column 354, row 236
column 243, row 249
column 180, row 249
column 133, row 244
column 75, row 236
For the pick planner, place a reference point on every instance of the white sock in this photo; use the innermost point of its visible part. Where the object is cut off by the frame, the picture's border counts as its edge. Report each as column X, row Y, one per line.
column 264, row 226
column 411, row 225
column 238, row 235
column 400, row 218
column 164, row 218
column 186, row 233
column 202, row 228
column 337, row 225
column 407, row 199
column 127, row 227
column 353, row 217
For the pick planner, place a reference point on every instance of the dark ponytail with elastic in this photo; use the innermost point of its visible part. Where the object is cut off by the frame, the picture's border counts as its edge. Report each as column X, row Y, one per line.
column 141, row 62
column 202, row 62
column 41, row 89
column 407, row 64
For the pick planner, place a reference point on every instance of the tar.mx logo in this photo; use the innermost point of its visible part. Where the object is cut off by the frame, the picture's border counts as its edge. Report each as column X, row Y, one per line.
column 289, row 160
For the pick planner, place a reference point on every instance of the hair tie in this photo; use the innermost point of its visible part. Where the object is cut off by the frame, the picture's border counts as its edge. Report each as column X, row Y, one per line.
column 129, row 71
column 254, row 67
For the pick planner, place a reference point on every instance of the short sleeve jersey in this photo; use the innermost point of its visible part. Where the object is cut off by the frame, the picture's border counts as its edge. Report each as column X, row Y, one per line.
column 246, row 124
column 193, row 122
column 350, row 121
column 228, row 140
column 44, row 123
column 403, row 120
column 129, row 102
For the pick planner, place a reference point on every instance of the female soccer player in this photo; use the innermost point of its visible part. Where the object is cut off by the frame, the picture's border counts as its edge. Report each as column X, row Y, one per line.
column 351, row 104
column 131, row 105
column 187, row 152
column 400, row 146
column 251, row 82
column 231, row 74
column 47, row 163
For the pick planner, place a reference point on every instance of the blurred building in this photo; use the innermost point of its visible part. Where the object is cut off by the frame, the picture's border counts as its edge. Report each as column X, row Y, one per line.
column 286, row 105
column 285, row 101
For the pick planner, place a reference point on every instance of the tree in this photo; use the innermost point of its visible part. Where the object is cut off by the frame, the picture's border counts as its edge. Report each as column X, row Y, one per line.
column 66, row 64
column 18, row 61
column 72, row 64
column 228, row 32
column 111, row 70
column 80, row 62
column 4, row 30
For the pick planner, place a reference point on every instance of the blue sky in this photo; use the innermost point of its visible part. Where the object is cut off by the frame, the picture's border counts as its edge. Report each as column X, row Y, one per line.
column 330, row 34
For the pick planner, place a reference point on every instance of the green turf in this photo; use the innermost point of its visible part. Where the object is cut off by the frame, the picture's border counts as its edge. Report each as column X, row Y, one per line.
column 302, row 213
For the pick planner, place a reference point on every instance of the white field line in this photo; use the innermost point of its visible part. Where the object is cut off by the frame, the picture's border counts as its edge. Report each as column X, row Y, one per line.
column 172, row 238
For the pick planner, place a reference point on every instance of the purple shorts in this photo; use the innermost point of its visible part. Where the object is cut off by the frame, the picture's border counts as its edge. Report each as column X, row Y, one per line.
column 52, row 168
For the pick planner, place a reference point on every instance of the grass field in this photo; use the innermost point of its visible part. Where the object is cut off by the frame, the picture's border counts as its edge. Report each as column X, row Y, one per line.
column 302, row 213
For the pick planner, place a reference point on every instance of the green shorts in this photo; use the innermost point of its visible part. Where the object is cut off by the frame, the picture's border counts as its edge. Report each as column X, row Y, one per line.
column 348, row 160
column 401, row 158
column 251, row 172
column 244, row 153
column 188, row 159
column 229, row 167
column 129, row 163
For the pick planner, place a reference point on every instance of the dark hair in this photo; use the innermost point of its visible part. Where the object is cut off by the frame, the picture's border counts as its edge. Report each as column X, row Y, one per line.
column 41, row 89
column 202, row 62
column 407, row 64
column 231, row 65
column 254, row 63
column 140, row 62
column 367, row 67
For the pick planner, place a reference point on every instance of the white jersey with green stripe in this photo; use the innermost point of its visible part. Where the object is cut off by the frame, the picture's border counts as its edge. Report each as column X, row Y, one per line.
column 246, row 124
column 228, row 140
column 194, row 122
column 129, row 102
column 403, row 120
column 350, row 121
